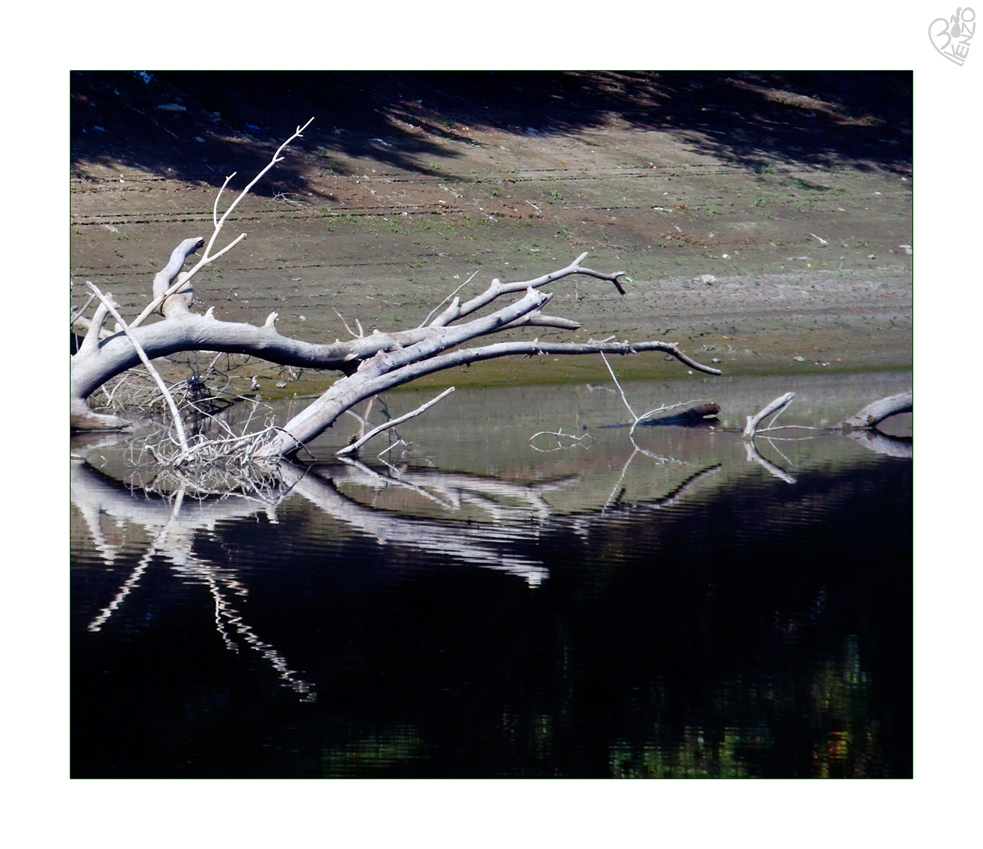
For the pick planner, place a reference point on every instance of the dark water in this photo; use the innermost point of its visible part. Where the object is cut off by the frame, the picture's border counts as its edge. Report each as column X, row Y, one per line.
column 664, row 605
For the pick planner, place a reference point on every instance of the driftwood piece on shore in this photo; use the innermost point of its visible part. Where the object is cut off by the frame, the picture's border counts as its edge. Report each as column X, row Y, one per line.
column 873, row 414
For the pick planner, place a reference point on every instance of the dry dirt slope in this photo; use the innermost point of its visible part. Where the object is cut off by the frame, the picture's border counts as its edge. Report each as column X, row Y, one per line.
column 762, row 218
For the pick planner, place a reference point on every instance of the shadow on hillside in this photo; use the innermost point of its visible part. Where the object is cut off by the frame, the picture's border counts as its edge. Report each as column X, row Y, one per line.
column 219, row 122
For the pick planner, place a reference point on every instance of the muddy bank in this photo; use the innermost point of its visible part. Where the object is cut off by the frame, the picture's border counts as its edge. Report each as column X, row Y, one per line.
column 764, row 222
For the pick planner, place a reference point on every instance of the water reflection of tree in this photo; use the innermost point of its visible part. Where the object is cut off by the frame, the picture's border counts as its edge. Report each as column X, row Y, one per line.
column 173, row 525
column 594, row 673
column 515, row 517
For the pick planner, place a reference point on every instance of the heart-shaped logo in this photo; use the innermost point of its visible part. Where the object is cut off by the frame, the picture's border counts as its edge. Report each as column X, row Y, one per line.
column 951, row 36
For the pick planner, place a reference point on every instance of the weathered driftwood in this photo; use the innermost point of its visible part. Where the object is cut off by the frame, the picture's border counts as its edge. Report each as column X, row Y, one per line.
column 694, row 412
column 775, row 407
column 387, row 370
column 869, row 417
column 859, row 428
column 416, row 352
column 690, row 414
column 873, row 414
column 175, row 415
column 370, row 363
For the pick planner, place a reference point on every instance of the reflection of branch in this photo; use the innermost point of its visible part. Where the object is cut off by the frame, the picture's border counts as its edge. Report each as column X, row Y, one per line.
column 375, row 479
column 666, row 500
column 486, row 492
column 618, row 491
column 575, row 441
column 882, row 443
column 468, row 543
column 231, row 616
column 754, row 456
column 96, row 494
column 137, row 573
column 672, row 497
column 177, row 521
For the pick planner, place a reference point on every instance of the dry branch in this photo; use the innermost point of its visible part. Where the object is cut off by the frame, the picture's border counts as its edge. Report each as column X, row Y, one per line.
column 873, row 414
column 700, row 412
column 691, row 413
column 777, row 407
column 391, row 424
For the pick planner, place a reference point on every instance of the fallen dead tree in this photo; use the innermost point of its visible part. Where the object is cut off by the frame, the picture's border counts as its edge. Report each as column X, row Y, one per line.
column 369, row 363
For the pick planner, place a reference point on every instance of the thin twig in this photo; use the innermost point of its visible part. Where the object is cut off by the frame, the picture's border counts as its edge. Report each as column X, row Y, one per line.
column 391, row 424
column 558, row 434
column 276, row 158
column 208, row 257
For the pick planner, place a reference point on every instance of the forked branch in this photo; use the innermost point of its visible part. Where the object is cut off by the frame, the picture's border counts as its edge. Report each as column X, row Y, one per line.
column 189, row 246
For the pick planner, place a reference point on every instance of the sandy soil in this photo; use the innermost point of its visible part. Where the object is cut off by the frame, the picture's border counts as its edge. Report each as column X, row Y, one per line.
column 764, row 221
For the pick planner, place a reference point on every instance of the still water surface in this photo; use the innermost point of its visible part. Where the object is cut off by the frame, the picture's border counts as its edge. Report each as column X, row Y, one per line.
column 666, row 603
